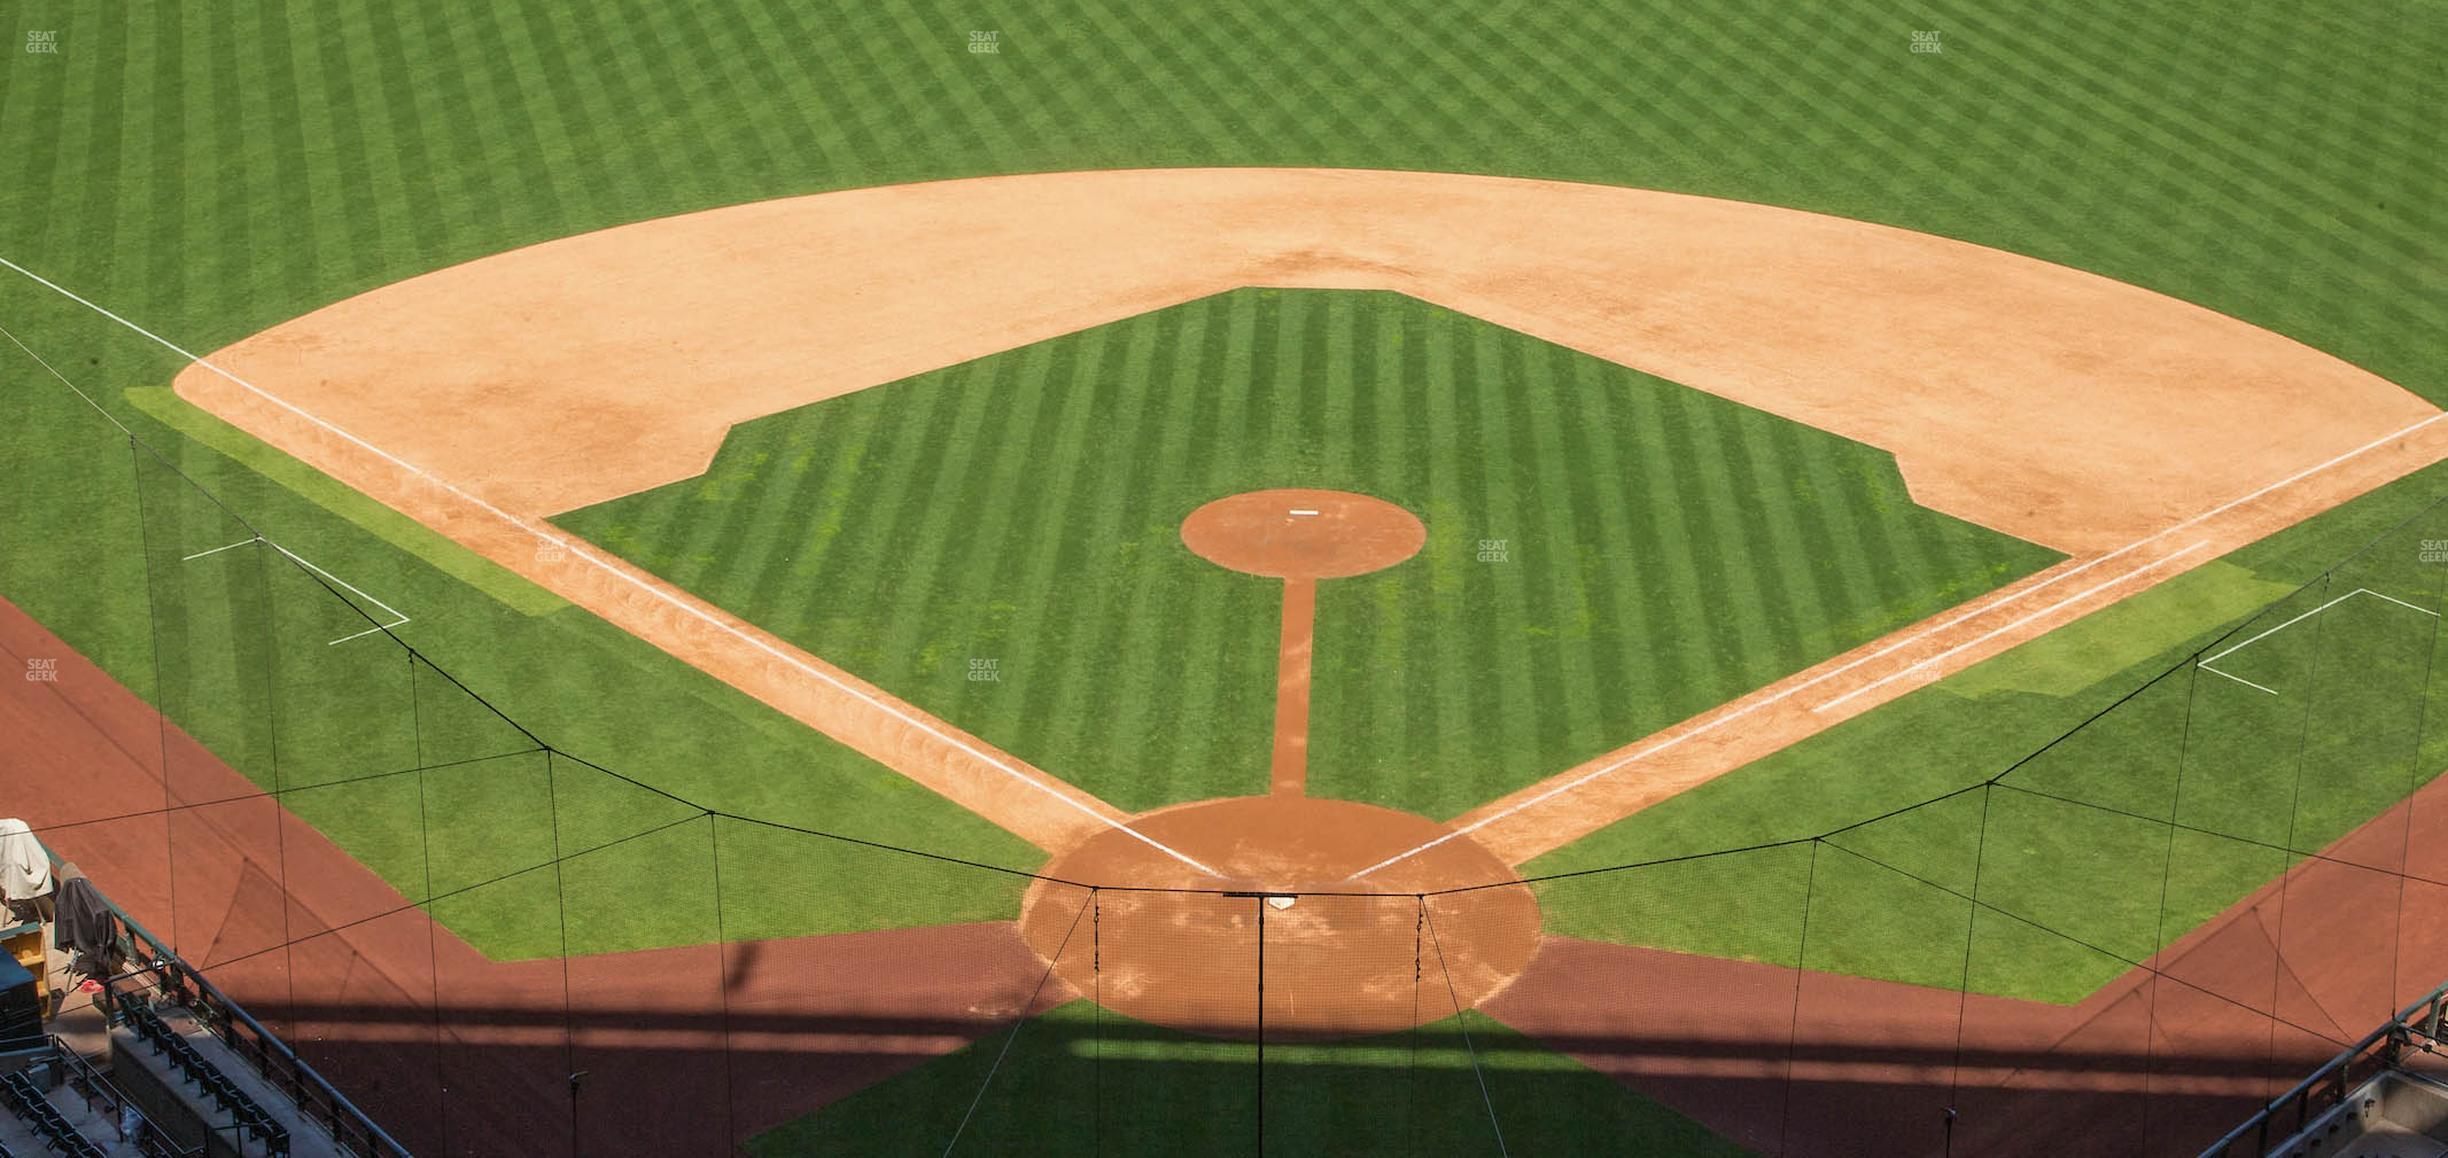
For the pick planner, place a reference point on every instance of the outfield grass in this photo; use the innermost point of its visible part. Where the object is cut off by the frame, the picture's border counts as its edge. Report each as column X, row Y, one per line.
column 212, row 172
column 402, row 765
column 1664, row 550
column 2079, row 852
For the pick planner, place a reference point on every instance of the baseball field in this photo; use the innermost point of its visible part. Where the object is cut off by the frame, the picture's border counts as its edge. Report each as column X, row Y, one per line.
column 1552, row 579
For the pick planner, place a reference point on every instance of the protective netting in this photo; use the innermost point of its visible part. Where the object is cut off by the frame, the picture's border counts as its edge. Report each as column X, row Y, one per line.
column 2124, row 942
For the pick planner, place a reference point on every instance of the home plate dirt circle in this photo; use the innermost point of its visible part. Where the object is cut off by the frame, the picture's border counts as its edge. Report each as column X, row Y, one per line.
column 1374, row 957
column 1294, row 533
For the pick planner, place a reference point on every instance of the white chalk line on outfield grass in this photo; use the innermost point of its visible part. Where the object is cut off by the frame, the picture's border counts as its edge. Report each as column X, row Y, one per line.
column 584, row 552
column 1889, row 649
column 398, row 617
column 1761, row 704
column 1995, row 632
column 2087, row 564
column 2205, row 664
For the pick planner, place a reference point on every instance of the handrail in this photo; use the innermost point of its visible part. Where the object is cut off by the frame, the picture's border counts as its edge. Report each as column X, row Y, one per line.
column 90, row 1084
column 2328, row 1086
column 315, row 1097
column 272, row 1058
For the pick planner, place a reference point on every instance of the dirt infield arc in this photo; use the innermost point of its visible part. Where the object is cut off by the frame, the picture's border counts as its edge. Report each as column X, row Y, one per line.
column 2140, row 434
column 1333, row 965
column 393, row 1009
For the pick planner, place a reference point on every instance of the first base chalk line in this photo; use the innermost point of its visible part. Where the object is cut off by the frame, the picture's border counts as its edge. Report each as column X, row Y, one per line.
column 586, row 553
column 1984, row 609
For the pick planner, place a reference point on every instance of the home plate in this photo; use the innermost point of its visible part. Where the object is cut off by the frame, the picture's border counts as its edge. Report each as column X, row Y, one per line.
column 1281, row 903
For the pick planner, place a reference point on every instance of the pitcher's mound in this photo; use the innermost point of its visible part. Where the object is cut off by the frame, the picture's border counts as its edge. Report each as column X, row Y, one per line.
column 1303, row 534
column 1343, row 958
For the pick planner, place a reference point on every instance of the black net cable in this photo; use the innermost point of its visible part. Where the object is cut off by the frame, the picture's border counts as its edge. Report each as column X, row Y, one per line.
column 88, row 399
column 2173, row 828
column 161, row 720
column 722, row 977
column 2112, row 954
column 433, row 949
column 2303, row 742
column 1793, row 1028
column 1462, row 1020
column 2167, row 874
column 1018, row 1020
column 1419, row 925
column 2194, row 657
column 1259, row 904
column 1425, row 933
column 569, row 1036
column 1096, row 1017
column 2405, row 839
column 272, row 729
column 467, row 889
column 1963, row 986
column 276, row 794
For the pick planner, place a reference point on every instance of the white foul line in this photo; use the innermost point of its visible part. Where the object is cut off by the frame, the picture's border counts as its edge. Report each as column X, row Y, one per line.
column 2205, row 664
column 1993, row 633
column 2079, row 568
column 1756, row 705
column 1907, row 641
column 596, row 561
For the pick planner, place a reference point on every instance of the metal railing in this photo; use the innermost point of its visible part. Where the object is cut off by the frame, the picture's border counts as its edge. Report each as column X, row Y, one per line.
column 2417, row 1027
column 272, row 1059
column 100, row 1095
column 229, row 1022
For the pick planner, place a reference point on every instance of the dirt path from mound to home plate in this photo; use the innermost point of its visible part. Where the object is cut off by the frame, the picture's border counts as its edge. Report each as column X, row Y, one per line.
column 2067, row 409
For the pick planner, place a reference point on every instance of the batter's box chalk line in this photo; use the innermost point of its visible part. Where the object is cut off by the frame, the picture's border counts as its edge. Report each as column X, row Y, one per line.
column 397, row 616
column 2207, row 661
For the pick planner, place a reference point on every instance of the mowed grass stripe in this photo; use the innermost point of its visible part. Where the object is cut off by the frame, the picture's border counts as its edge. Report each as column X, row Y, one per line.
column 1836, row 576
column 1533, row 686
column 1146, row 725
column 1211, row 654
column 230, row 202
column 142, row 79
column 1018, row 553
column 99, row 187
column 1344, row 684
column 2174, row 139
column 1025, row 508
column 1561, row 597
column 1158, row 94
column 903, row 507
column 405, row 153
column 1061, row 705
column 1157, row 350
column 934, row 527
column 1494, row 726
column 471, row 207
column 1582, row 409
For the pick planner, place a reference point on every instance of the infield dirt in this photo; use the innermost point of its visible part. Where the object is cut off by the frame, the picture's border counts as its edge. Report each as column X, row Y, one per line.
column 2138, row 433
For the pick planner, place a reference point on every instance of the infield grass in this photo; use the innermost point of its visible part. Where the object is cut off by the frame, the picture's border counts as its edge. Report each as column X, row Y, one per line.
column 1607, row 552
column 212, row 171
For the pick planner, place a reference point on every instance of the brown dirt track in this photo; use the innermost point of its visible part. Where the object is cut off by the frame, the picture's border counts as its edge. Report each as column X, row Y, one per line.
column 2142, row 435
column 396, row 1010
column 2052, row 404
column 1336, row 966
column 813, row 1019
